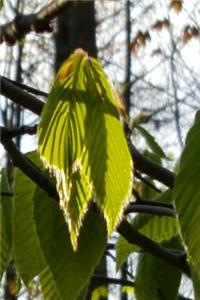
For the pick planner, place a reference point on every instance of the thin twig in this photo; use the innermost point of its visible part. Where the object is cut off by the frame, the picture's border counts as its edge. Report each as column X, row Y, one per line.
column 148, row 183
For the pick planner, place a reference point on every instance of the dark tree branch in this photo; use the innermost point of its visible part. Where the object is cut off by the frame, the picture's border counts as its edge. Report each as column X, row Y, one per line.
column 38, row 22
column 150, row 168
column 27, row 88
column 135, row 237
column 107, row 280
column 27, row 167
column 20, row 97
column 154, row 203
column 149, row 209
column 10, row 133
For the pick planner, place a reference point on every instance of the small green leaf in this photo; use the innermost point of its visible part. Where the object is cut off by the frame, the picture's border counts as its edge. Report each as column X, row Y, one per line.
column 187, row 195
column 5, row 224
column 81, row 140
column 157, row 228
column 151, row 142
column 156, row 279
column 100, row 293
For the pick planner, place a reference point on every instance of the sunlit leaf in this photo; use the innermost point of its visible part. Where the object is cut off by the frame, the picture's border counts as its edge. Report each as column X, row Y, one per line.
column 187, row 194
column 5, row 223
column 81, row 141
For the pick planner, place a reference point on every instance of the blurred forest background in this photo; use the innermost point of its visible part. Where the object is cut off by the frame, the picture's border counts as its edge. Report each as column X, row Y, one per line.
column 149, row 49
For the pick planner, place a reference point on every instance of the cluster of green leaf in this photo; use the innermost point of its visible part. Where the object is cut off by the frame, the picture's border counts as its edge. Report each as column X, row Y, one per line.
column 81, row 140
column 156, row 276
column 82, row 143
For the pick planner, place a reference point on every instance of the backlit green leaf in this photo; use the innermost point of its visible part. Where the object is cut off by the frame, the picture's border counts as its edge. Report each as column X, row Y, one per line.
column 187, row 194
column 81, row 141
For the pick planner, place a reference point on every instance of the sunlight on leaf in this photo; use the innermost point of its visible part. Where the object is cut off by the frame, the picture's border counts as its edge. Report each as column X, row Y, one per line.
column 82, row 142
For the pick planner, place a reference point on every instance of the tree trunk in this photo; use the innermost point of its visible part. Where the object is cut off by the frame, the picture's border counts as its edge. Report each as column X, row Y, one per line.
column 75, row 29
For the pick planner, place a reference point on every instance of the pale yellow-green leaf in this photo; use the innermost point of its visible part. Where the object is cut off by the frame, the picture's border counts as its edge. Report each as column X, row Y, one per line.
column 81, row 141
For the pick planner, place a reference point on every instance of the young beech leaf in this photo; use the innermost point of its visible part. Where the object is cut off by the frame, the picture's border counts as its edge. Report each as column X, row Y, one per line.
column 81, row 141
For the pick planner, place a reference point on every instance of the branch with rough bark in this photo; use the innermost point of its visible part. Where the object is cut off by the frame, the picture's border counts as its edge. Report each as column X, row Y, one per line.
column 38, row 22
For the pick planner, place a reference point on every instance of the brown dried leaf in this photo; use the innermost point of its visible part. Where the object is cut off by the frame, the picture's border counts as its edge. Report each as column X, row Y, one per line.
column 176, row 5
column 189, row 33
column 139, row 41
column 156, row 52
column 160, row 24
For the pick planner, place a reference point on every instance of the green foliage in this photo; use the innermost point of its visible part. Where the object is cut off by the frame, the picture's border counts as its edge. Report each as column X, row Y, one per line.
column 42, row 242
column 187, row 195
column 159, row 229
column 1, row 4
column 100, row 293
column 151, row 142
column 27, row 252
column 81, row 141
column 155, row 279
column 5, row 223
